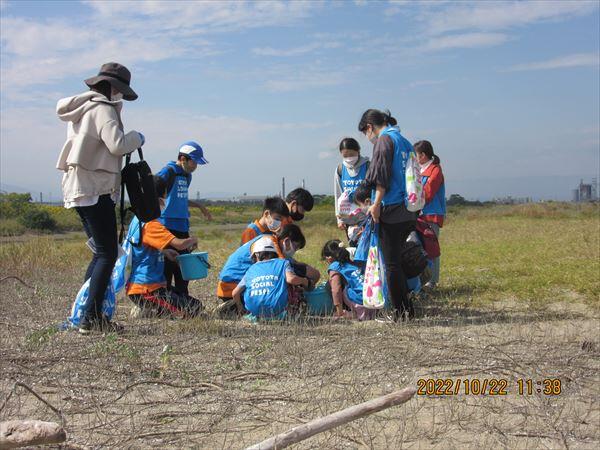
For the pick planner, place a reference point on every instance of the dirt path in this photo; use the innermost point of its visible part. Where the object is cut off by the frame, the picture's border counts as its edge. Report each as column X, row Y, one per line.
column 228, row 384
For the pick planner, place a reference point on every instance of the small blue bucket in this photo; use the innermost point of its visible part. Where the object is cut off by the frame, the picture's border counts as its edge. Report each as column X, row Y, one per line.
column 194, row 266
column 319, row 301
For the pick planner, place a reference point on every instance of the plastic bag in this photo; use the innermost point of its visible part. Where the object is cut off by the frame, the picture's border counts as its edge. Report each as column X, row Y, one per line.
column 374, row 284
column 345, row 204
column 364, row 242
column 415, row 195
column 108, row 304
column 122, row 269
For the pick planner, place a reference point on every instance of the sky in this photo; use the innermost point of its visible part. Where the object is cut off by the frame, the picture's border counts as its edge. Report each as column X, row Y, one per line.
column 507, row 92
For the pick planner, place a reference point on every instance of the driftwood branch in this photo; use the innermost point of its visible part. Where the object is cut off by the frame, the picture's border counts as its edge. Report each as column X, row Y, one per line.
column 321, row 424
column 24, row 433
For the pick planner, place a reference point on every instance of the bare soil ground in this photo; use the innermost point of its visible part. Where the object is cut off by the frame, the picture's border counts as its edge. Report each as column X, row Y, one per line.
column 228, row 384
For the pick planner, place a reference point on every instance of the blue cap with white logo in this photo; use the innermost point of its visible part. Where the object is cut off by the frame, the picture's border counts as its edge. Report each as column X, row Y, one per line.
column 194, row 151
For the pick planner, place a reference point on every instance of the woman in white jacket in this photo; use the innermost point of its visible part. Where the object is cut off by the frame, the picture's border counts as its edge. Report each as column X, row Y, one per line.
column 91, row 161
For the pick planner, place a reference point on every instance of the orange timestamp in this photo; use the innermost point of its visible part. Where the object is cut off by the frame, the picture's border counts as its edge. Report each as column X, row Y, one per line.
column 487, row 386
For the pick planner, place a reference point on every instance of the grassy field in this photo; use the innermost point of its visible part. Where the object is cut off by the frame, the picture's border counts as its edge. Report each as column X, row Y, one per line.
column 519, row 299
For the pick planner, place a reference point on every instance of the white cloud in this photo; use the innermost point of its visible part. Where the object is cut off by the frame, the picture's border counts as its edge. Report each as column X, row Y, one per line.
column 326, row 154
column 498, row 15
column 295, row 51
column 420, row 83
column 467, row 40
column 38, row 51
column 575, row 60
column 303, row 78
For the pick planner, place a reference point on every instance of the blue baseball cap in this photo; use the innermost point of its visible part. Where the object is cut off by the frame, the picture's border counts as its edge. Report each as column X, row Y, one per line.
column 194, row 151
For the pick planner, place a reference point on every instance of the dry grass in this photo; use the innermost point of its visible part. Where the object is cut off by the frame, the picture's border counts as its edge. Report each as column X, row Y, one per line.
column 228, row 384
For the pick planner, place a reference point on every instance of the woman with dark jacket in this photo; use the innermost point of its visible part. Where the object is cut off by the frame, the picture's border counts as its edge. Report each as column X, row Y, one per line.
column 387, row 175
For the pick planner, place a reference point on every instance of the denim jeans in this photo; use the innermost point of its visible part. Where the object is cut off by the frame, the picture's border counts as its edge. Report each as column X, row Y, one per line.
column 100, row 224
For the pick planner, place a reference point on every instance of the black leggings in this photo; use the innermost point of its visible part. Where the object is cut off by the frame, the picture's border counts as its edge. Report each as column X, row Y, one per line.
column 392, row 237
column 100, row 224
column 172, row 270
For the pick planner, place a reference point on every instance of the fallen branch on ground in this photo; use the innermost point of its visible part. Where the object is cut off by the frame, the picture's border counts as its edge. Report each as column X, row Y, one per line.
column 24, row 433
column 321, row 424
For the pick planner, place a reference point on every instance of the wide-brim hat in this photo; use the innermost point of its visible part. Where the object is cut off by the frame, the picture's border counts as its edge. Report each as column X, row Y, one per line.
column 118, row 76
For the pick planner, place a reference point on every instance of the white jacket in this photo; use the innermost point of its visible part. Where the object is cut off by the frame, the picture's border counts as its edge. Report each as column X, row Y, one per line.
column 92, row 155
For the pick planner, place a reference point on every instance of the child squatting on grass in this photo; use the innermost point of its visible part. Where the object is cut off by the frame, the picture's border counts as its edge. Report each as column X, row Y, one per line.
column 268, row 285
column 285, row 242
column 147, row 286
column 346, row 280
column 275, row 211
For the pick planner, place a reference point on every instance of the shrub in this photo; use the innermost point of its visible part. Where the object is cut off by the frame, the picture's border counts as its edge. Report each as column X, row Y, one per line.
column 38, row 219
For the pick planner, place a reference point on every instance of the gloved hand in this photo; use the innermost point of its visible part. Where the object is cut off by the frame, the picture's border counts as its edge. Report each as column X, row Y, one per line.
column 142, row 138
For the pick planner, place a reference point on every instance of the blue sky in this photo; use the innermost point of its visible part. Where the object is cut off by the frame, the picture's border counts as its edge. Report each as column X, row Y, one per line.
column 507, row 92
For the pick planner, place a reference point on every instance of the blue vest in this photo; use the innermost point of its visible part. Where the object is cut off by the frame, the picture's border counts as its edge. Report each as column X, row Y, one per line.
column 396, row 191
column 437, row 205
column 147, row 263
column 257, row 230
column 176, row 215
column 354, row 280
column 349, row 183
column 266, row 292
column 238, row 263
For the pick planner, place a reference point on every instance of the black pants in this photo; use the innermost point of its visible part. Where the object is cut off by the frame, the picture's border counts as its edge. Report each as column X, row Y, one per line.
column 172, row 270
column 100, row 224
column 168, row 303
column 392, row 237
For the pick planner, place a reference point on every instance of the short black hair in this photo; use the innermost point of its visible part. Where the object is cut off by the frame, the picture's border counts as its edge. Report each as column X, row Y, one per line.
column 187, row 157
column 276, row 205
column 302, row 197
column 376, row 118
column 160, row 186
column 349, row 143
column 362, row 192
column 294, row 233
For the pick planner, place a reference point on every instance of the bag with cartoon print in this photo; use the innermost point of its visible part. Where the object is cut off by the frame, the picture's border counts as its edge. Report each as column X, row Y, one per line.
column 374, row 287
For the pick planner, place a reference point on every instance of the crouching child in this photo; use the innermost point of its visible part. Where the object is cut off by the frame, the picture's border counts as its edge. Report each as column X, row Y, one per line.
column 346, row 280
column 147, row 286
column 268, row 284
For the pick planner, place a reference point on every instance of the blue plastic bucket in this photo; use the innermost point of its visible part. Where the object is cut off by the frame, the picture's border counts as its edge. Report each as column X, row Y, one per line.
column 319, row 301
column 194, row 266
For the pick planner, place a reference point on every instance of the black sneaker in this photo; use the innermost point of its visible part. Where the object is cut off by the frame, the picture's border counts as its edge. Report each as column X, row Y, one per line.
column 101, row 325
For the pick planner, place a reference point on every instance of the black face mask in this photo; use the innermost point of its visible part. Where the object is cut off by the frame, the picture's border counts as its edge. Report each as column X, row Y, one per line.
column 296, row 216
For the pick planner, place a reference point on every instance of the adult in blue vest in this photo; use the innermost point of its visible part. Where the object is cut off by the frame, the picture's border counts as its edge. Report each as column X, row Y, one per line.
column 176, row 215
column 387, row 175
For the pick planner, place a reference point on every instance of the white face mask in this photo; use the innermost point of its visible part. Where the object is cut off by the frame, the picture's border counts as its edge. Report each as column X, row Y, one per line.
column 116, row 97
column 288, row 249
column 274, row 225
column 349, row 162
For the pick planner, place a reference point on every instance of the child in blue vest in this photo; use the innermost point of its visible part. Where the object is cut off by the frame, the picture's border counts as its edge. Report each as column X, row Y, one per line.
column 348, row 176
column 176, row 215
column 346, row 280
column 286, row 243
column 265, row 283
column 147, row 286
column 275, row 210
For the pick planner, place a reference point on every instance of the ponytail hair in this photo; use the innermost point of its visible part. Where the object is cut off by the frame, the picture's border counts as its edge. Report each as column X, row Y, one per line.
column 334, row 249
column 376, row 118
column 426, row 148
